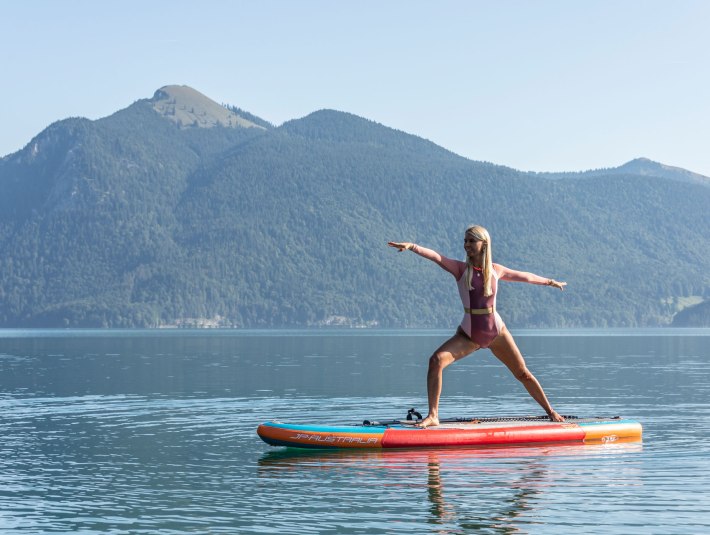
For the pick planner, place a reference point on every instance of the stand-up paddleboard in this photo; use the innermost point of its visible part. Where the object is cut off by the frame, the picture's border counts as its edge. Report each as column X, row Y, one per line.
column 516, row 430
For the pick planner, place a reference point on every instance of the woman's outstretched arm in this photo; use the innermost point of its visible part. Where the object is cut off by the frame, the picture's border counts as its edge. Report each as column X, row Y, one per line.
column 523, row 276
column 454, row 267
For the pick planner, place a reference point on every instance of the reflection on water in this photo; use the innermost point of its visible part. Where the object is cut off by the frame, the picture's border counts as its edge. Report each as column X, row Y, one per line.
column 469, row 488
column 155, row 433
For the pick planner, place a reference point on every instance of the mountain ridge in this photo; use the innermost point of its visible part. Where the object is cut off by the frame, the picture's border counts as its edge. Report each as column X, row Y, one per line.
column 134, row 220
column 638, row 166
column 165, row 99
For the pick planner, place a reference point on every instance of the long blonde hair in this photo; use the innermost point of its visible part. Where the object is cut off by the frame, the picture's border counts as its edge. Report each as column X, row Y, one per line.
column 479, row 233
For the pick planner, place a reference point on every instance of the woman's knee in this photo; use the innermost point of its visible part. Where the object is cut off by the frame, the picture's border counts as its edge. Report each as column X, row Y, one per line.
column 440, row 360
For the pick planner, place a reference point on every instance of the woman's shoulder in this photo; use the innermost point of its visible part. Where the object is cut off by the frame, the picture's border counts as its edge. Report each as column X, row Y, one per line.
column 499, row 269
column 454, row 266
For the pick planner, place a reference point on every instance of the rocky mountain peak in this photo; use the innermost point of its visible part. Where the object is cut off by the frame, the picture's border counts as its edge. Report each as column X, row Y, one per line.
column 189, row 108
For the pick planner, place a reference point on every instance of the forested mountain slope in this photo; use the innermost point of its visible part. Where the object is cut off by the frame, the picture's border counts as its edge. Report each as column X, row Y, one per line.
column 140, row 220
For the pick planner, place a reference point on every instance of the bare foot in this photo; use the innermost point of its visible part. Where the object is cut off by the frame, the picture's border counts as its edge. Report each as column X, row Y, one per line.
column 554, row 417
column 428, row 421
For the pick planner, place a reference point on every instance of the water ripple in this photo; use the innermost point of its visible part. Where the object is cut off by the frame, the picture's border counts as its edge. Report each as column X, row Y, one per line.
column 168, row 444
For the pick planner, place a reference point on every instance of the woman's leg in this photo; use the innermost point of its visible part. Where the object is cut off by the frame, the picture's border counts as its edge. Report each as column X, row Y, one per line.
column 455, row 348
column 505, row 348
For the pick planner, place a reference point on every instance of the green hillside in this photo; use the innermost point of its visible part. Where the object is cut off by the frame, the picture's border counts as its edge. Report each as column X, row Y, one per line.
column 697, row 315
column 136, row 220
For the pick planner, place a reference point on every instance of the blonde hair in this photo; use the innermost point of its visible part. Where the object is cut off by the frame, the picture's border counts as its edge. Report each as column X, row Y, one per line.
column 479, row 233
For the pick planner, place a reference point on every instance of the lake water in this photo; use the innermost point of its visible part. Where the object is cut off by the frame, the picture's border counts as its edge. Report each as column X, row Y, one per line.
column 154, row 432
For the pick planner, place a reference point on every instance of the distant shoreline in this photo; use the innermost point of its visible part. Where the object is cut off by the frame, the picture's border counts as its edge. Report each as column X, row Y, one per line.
column 7, row 333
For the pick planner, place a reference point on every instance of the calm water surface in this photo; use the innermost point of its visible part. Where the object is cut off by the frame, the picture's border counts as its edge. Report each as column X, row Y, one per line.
column 154, row 432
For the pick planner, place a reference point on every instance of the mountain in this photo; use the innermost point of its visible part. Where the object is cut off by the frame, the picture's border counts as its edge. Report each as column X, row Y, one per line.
column 179, row 211
column 646, row 167
column 189, row 108
column 639, row 167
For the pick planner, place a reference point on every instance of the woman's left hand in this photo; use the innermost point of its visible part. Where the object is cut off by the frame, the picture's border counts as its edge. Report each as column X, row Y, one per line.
column 554, row 283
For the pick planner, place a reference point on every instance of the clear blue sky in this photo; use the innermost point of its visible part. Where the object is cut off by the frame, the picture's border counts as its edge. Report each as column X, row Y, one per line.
column 535, row 85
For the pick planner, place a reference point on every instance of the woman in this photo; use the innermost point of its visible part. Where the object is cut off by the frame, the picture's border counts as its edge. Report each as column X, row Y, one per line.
column 482, row 327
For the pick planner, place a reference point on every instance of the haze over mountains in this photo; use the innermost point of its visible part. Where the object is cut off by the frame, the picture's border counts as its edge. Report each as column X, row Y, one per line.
column 180, row 211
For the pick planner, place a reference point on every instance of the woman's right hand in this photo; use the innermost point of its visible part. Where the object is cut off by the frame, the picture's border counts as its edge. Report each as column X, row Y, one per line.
column 403, row 246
